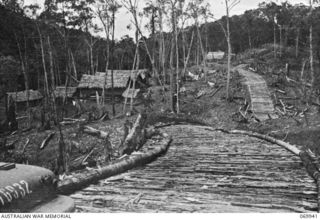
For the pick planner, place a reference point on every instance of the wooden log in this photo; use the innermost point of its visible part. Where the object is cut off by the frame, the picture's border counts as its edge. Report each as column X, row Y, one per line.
column 200, row 94
column 83, row 179
column 289, row 147
column 68, row 121
column 25, row 145
column 46, row 140
column 95, row 132
column 280, row 91
column 216, row 91
column 283, row 106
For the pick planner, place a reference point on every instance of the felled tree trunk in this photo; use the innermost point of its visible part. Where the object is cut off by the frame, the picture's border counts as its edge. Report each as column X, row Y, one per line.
column 281, row 143
column 83, row 179
column 95, row 132
column 136, row 137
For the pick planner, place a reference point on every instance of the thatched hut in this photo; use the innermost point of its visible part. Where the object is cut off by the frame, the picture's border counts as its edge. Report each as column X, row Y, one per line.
column 121, row 78
column 89, row 84
column 21, row 97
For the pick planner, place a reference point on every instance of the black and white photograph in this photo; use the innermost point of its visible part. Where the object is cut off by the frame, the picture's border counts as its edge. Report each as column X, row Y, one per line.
column 159, row 106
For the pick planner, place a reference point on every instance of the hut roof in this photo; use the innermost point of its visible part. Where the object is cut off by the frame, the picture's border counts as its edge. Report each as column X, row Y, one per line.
column 91, row 82
column 60, row 91
column 120, row 79
column 215, row 55
column 128, row 93
column 21, row 96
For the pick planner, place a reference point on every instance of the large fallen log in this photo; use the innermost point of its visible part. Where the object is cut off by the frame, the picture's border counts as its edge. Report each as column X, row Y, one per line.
column 69, row 121
column 83, row 179
column 307, row 160
column 95, row 132
column 290, row 147
column 216, row 91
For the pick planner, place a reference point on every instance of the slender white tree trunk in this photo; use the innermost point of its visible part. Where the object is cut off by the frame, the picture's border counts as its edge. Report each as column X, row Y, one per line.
column 311, row 48
column 229, row 50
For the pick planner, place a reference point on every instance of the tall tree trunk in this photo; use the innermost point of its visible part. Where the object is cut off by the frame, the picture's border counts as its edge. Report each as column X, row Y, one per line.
column 229, row 50
column 297, row 42
column 189, row 52
column 172, row 84
column 198, row 51
column 51, row 65
column 286, row 30
column 274, row 41
column 206, row 35
column 183, row 52
column 202, row 52
column 162, row 47
column 311, row 49
column 137, row 63
column 43, row 62
column 153, row 40
column 249, row 38
column 74, row 65
column 177, row 61
column 26, row 77
column 281, row 43
column 106, row 28
column 91, row 57
column 311, row 55
column 112, row 52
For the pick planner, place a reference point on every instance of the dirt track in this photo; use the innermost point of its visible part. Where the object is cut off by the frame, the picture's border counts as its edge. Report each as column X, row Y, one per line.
column 207, row 171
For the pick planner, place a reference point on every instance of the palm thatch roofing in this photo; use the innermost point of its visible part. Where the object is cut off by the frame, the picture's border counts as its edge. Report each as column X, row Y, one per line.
column 91, row 82
column 61, row 91
column 120, row 79
column 128, row 93
column 21, row 96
